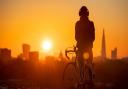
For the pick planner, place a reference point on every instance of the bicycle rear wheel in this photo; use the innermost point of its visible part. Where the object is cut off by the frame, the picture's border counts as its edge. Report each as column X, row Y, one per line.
column 70, row 76
column 88, row 78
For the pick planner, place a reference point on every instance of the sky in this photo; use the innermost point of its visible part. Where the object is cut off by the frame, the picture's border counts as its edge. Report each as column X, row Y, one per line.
column 33, row 21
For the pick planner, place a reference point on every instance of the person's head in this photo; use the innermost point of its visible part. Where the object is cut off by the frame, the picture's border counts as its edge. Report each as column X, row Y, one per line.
column 83, row 11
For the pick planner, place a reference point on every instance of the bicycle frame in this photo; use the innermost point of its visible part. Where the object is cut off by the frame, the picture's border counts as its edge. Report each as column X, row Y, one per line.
column 73, row 50
column 79, row 65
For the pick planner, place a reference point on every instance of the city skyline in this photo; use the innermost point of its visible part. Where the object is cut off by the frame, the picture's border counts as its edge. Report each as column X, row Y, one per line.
column 33, row 21
column 26, row 52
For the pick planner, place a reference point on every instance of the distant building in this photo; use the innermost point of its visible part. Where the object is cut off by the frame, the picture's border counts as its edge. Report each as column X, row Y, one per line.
column 26, row 50
column 34, row 56
column 114, row 54
column 5, row 54
column 61, row 57
column 103, row 48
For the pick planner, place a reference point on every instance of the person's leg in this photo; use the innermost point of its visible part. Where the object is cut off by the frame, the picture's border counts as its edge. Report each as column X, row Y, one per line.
column 90, row 55
column 90, row 61
column 81, row 63
column 80, row 55
column 91, row 65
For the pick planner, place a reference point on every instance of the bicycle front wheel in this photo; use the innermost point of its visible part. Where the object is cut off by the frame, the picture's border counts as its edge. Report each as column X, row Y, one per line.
column 70, row 76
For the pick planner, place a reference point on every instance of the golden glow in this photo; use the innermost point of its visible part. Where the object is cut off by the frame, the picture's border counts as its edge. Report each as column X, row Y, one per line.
column 47, row 45
column 85, row 55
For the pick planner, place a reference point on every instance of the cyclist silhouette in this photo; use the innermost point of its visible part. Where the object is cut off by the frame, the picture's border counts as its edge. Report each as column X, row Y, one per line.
column 84, row 34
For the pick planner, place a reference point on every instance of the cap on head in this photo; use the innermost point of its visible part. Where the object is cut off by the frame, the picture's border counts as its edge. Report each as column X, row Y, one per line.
column 83, row 11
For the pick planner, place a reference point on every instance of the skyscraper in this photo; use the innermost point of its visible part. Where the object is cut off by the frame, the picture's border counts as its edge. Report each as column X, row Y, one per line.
column 103, row 49
column 5, row 53
column 26, row 50
column 114, row 54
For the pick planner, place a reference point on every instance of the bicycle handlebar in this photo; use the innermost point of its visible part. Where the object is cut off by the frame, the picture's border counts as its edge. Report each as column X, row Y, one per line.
column 73, row 50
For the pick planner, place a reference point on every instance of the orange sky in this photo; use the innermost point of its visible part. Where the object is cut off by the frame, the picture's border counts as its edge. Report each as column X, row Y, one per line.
column 32, row 21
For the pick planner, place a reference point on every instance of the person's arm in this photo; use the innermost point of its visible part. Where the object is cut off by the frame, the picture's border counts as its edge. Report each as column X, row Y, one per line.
column 76, row 31
column 93, row 31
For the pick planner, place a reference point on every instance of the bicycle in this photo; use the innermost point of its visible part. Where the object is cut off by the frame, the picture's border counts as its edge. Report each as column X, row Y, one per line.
column 77, row 75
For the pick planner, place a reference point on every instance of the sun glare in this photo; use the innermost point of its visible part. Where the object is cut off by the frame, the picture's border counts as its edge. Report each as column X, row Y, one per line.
column 46, row 45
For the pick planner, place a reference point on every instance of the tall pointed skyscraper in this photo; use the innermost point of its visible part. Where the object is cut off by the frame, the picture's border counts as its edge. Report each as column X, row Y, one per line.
column 103, row 50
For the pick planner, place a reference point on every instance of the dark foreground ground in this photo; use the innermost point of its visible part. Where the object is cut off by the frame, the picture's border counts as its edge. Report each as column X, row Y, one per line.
column 19, row 74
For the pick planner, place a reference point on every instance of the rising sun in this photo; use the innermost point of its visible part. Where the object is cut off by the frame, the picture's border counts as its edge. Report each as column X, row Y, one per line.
column 46, row 45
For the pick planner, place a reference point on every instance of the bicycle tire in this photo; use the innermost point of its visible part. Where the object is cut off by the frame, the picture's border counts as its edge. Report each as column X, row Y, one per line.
column 70, row 76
